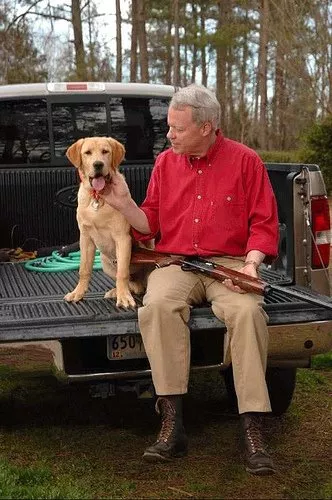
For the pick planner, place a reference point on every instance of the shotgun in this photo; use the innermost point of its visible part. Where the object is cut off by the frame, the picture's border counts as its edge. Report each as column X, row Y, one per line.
column 218, row 272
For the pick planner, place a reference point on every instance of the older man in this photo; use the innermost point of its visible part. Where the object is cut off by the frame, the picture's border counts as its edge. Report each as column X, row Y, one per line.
column 208, row 196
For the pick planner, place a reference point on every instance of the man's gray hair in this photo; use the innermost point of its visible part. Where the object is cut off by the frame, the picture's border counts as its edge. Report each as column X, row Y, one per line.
column 204, row 104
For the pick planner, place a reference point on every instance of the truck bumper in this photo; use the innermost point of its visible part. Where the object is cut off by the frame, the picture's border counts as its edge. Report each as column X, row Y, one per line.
column 300, row 340
column 289, row 346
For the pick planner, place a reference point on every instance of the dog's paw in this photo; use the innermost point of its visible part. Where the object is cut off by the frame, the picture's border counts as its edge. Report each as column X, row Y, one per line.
column 125, row 299
column 73, row 296
column 111, row 294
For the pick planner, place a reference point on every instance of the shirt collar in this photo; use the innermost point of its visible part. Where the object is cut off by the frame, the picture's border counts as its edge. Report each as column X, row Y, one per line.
column 212, row 149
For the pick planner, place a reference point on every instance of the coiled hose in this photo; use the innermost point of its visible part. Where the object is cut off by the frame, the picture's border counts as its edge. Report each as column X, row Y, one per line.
column 57, row 263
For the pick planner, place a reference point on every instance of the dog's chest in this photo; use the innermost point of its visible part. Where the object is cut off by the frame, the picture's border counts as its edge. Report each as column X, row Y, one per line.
column 100, row 220
column 104, row 225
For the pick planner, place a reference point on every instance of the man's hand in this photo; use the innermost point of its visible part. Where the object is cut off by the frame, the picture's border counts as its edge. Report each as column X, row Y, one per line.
column 250, row 269
column 116, row 193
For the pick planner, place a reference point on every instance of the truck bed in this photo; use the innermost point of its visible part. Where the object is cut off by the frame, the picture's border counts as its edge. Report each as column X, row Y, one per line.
column 32, row 307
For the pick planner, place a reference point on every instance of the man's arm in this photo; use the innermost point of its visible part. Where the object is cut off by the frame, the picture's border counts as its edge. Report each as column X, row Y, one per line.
column 118, row 196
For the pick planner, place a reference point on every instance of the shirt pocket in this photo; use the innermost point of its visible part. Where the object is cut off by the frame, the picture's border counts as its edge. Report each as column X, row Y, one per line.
column 229, row 213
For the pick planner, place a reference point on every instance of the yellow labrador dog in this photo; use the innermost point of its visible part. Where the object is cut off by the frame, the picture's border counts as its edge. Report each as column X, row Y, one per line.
column 101, row 226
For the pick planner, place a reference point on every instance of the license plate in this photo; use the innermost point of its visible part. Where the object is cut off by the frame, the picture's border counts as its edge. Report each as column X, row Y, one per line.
column 125, row 347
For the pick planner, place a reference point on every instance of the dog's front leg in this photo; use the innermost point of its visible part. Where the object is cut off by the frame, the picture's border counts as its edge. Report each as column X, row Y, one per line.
column 88, row 251
column 123, row 255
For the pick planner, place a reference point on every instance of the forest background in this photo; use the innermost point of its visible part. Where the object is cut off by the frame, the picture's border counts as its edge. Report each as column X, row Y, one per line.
column 269, row 61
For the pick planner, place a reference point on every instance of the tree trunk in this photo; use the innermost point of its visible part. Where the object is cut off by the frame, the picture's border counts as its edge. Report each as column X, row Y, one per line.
column 81, row 70
column 329, row 105
column 243, row 113
column 279, row 99
column 204, row 72
column 118, row 76
column 185, row 64
column 230, row 113
column 222, row 64
column 133, row 48
column 168, row 75
column 91, row 55
column 262, row 73
column 194, row 45
column 143, row 50
column 176, row 70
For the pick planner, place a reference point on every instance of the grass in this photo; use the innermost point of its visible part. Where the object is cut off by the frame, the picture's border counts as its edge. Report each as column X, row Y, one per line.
column 322, row 361
column 56, row 442
column 35, row 482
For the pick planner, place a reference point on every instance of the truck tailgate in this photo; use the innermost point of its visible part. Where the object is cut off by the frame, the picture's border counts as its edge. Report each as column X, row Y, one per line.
column 32, row 307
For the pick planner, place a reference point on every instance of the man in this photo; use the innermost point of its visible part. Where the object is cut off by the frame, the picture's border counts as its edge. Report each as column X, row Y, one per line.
column 207, row 196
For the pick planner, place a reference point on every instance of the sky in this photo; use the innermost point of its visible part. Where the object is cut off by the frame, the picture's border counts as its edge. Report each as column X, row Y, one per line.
column 52, row 43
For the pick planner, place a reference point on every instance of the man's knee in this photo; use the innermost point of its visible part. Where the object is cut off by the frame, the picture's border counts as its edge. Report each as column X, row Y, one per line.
column 163, row 306
column 245, row 308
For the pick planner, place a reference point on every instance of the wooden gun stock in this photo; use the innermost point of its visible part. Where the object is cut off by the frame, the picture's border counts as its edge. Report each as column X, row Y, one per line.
column 196, row 264
column 220, row 273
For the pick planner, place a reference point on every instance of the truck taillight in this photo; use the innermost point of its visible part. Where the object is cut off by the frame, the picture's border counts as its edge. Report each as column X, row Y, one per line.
column 320, row 220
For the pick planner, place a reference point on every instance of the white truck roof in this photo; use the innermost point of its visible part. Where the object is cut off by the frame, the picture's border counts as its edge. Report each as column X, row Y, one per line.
column 114, row 88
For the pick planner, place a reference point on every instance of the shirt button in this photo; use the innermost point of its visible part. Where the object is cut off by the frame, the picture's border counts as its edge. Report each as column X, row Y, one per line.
column 229, row 198
column 196, row 220
column 199, row 171
column 195, row 245
column 199, row 197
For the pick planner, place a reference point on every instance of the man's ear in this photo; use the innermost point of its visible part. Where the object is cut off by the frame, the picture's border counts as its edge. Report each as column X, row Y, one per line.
column 118, row 152
column 206, row 128
column 73, row 153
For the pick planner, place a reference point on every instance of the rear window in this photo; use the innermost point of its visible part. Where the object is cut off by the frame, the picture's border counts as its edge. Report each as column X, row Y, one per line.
column 140, row 125
column 75, row 120
column 26, row 135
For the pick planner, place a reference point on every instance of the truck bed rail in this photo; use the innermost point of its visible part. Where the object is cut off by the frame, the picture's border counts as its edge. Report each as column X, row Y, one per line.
column 35, row 309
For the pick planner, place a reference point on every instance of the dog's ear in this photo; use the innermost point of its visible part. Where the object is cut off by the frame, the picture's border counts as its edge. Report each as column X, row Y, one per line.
column 73, row 153
column 118, row 152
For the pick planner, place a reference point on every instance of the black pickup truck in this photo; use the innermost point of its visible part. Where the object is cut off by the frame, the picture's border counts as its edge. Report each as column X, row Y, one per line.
column 100, row 342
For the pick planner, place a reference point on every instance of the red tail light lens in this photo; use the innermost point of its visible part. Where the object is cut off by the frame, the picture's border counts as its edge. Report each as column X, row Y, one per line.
column 320, row 220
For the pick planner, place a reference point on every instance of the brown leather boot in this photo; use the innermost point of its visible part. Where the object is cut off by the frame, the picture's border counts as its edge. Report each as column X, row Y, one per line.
column 259, row 461
column 172, row 441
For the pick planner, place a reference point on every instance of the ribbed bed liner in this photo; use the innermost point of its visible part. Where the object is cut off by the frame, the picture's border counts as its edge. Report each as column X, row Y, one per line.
column 32, row 306
column 18, row 283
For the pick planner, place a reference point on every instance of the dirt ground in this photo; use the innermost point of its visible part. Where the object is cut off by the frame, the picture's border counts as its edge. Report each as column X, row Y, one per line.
column 97, row 444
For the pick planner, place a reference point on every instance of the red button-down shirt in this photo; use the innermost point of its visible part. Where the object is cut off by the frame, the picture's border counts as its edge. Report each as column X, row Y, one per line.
column 220, row 204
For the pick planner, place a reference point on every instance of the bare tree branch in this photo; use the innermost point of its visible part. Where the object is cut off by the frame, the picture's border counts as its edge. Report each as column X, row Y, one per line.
column 18, row 18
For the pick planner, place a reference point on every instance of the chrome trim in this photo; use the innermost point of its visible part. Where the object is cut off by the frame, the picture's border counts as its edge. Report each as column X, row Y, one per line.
column 85, row 377
column 89, row 377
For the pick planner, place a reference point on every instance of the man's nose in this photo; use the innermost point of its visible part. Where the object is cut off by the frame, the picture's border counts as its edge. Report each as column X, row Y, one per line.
column 170, row 134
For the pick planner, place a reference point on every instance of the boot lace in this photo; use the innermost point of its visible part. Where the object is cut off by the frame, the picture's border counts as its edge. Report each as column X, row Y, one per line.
column 255, row 438
column 167, row 411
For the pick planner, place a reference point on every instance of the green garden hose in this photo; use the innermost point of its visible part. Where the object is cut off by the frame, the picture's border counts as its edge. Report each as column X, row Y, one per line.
column 57, row 263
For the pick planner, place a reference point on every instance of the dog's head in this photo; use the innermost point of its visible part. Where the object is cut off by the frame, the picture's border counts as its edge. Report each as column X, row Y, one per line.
column 97, row 158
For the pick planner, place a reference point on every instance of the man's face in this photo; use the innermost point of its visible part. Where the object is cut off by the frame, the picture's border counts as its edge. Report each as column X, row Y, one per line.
column 185, row 136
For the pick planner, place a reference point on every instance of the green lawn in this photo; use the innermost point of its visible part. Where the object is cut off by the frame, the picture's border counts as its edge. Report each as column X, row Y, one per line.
column 57, row 442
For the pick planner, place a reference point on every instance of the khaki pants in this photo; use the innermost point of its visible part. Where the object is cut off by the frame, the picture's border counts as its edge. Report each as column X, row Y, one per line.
column 163, row 320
